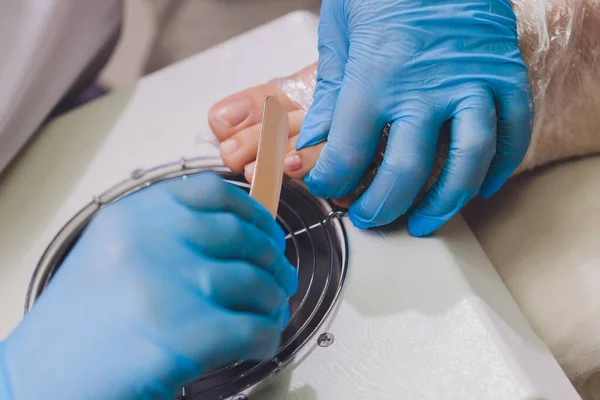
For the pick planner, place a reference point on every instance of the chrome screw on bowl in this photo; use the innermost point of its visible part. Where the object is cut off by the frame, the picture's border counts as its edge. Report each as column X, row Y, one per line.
column 325, row 340
column 137, row 174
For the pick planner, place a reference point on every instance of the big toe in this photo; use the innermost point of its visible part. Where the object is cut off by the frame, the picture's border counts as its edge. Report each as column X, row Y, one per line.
column 243, row 109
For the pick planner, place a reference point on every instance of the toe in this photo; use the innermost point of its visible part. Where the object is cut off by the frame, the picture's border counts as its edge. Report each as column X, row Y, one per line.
column 249, row 171
column 293, row 163
column 243, row 110
column 241, row 149
column 299, row 163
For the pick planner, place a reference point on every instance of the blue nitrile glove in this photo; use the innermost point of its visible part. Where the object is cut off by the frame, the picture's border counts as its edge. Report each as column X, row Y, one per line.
column 417, row 64
column 176, row 279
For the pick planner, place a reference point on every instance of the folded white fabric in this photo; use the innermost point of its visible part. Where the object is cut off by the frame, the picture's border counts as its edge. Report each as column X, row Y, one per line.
column 44, row 46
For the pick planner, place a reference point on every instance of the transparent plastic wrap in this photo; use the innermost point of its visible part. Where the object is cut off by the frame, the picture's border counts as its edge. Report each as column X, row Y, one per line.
column 560, row 42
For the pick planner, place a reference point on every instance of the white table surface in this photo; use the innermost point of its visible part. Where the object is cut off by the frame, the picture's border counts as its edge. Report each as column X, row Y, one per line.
column 419, row 318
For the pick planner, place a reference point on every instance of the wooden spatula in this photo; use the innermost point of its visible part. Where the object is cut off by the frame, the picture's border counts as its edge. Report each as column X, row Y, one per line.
column 272, row 145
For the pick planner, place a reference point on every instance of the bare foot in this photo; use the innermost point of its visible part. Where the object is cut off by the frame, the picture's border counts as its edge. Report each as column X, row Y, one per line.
column 239, row 147
column 236, row 123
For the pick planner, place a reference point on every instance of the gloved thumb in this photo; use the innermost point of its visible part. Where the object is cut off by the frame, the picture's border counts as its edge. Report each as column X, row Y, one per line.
column 333, row 55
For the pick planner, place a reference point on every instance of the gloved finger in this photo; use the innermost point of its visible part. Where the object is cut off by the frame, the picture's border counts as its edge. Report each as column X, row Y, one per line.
column 405, row 168
column 472, row 147
column 355, row 131
column 225, row 236
column 248, row 338
column 333, row 55
column 515, row 125
column 208, row 192
column 240, row 287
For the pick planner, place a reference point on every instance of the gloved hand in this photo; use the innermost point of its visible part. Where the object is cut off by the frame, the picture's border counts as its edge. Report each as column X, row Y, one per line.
column 164, row 284
column 417, row 64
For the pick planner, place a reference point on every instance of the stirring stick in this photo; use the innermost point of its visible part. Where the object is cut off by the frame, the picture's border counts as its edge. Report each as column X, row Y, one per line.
column 268, row 172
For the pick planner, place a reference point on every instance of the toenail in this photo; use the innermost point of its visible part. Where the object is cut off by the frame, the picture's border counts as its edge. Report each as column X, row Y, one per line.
column 228, row 147
column 249, row 169
column 232, row 113
column 293, row 162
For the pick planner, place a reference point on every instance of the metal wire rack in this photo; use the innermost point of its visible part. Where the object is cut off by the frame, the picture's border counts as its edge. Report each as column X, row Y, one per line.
column 316, row 246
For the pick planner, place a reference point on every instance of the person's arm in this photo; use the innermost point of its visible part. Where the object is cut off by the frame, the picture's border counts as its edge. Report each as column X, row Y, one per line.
column 560, row 45
column 47, row 47
column 560, row 42
column 164, row 285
